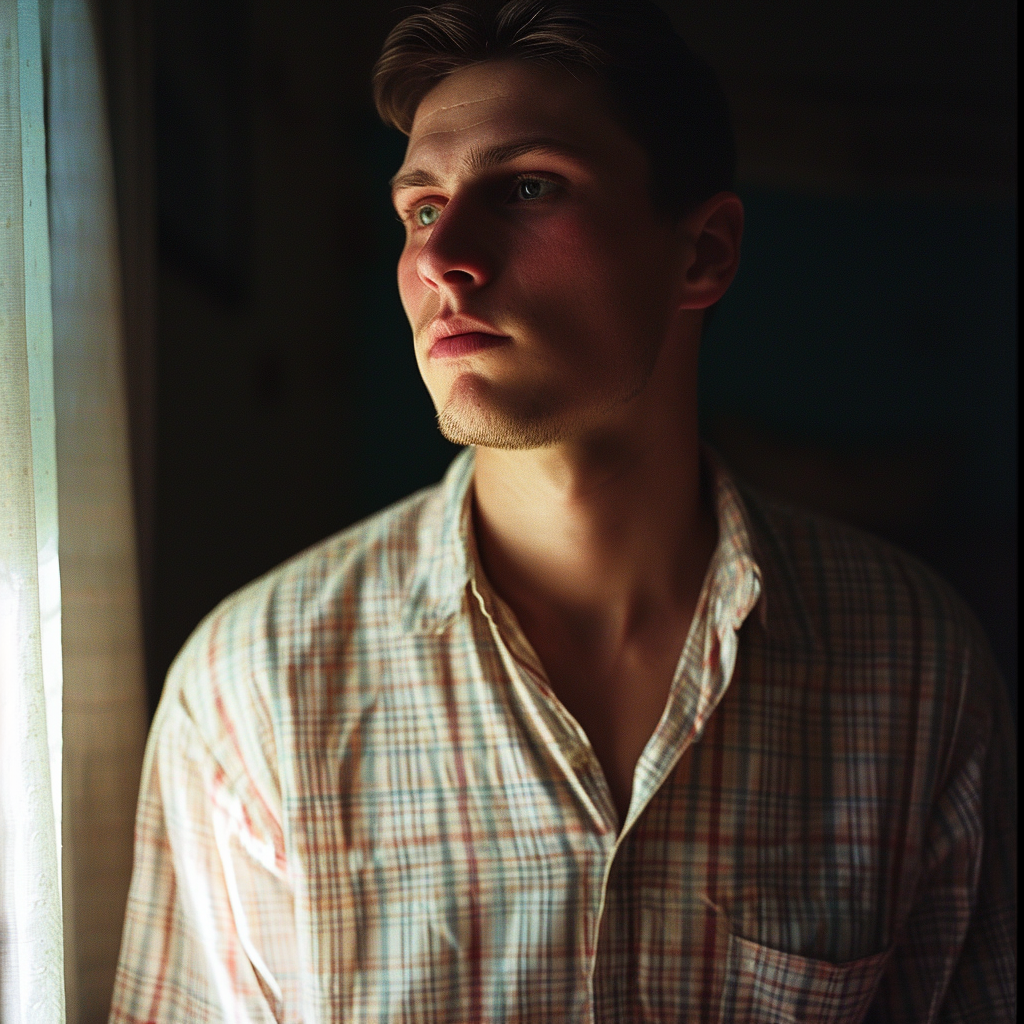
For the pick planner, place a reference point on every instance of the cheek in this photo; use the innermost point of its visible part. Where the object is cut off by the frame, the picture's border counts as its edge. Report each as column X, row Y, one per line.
column 596, row 295
column 581, row 266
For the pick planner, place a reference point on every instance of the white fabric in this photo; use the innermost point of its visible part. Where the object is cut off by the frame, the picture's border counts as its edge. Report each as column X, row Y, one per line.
column 31, row 954
column 70, row 638
column 104, row 696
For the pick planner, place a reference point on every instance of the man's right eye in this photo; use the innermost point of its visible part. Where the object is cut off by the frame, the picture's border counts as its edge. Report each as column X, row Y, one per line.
column 425, row 215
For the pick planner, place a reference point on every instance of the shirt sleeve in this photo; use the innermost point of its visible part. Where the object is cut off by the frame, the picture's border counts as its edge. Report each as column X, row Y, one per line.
column 956, row 957
column 209, row 929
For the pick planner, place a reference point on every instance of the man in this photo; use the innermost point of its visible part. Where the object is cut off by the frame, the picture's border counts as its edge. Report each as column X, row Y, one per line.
column 586, row 732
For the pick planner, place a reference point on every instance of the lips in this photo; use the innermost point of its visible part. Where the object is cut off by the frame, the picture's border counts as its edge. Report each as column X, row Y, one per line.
column 451, row 337
column 464, row 344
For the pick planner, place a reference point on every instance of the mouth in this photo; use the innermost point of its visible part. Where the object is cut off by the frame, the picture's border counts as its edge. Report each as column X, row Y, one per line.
column 452, row 346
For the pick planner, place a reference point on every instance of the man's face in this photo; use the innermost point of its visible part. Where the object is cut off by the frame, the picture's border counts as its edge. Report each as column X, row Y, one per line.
column 539, row 281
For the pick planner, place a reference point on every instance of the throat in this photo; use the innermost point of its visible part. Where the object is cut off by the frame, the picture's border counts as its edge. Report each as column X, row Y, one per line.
column 617, row 703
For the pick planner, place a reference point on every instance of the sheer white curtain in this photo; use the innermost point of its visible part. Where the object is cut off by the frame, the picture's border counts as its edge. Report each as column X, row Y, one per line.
column 63, row 433
column 31, row 955
column 104, row 695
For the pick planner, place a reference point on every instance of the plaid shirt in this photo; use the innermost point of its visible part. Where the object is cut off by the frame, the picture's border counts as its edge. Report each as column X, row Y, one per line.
column 362, row 802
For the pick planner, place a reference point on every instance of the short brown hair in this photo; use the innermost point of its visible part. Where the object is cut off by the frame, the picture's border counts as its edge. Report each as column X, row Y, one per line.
column 661, row 93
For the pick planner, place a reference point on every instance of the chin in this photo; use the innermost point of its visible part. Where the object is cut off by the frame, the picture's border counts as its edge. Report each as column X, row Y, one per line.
column 474, row 414
column 492, row 430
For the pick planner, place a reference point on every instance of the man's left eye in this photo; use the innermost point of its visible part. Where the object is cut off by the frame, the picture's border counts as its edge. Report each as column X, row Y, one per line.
column 533, row 188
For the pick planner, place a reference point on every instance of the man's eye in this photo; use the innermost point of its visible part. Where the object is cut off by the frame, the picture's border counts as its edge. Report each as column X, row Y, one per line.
column 532, row 188
column 426, row 215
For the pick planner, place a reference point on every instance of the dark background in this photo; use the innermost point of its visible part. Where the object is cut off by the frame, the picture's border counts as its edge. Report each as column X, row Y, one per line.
column 863, row 364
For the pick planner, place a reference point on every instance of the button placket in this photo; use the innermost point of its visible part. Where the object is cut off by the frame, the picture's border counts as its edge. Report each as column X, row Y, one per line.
column 558, row 732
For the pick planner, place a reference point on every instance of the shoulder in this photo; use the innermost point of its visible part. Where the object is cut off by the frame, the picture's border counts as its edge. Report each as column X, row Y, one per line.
column 256, row 659
column 874, row 636
column 870, row 618
column 843, row 587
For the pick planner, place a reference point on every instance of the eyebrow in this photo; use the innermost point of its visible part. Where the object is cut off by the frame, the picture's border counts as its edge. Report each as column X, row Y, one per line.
column 482, row 160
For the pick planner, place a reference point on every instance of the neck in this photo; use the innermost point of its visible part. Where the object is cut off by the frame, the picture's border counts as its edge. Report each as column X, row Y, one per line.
column 610, row 531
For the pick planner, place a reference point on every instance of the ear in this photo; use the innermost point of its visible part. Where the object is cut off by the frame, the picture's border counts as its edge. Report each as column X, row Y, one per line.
column 711, row 234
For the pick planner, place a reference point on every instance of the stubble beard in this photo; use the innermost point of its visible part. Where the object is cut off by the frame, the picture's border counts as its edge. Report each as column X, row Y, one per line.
column 534, row 424
column 498, row 429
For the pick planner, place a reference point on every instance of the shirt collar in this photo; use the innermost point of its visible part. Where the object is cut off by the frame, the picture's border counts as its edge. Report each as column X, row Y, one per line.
column 735, row 582
column 445, row 549
column 748, row 526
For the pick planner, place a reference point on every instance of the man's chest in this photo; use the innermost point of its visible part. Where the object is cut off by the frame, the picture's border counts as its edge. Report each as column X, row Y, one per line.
column 496, row 904
column 452, row 870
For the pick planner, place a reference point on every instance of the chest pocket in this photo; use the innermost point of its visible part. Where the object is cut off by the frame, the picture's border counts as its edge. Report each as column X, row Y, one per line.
column 765, row 986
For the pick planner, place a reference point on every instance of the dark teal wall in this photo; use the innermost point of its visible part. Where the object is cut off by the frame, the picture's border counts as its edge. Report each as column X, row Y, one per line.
column 867, row 321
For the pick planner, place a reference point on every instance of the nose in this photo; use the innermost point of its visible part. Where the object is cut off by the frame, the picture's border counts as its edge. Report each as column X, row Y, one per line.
column 455, row 256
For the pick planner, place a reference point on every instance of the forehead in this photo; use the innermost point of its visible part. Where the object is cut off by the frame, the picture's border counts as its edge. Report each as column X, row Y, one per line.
column 504, row 101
